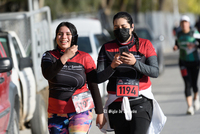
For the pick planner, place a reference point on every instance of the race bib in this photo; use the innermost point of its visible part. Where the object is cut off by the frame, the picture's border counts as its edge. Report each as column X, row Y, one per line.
column 127, row 87
column 83, row 102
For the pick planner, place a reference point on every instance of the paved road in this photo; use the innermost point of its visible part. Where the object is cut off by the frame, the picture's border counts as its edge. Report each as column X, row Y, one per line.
column 168, row 91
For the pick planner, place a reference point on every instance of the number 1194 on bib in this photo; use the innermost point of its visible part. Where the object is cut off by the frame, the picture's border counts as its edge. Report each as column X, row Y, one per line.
column 127, row 90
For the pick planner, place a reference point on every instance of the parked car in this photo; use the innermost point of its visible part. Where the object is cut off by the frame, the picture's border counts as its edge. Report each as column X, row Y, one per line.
column 25, row 37
column 87, row 42
column 30, row 104
column 143, row 31
column 9, row 112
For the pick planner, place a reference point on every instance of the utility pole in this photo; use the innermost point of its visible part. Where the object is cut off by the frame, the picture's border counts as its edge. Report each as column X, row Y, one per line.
column 33, row 5
column 30, row 5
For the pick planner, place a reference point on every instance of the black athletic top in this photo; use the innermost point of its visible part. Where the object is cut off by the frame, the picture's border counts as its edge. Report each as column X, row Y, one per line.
column 69, row 79
column 145, row 66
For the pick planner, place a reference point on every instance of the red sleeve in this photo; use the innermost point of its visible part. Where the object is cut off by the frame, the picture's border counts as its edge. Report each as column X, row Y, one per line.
column 150, row 50
column 146, row 48
column 89, row 63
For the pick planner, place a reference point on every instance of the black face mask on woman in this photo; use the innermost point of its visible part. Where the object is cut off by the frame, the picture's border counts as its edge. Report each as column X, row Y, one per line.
column 122, row 34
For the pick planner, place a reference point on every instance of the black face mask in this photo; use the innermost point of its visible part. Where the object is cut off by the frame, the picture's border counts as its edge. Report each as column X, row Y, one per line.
column 122, row 34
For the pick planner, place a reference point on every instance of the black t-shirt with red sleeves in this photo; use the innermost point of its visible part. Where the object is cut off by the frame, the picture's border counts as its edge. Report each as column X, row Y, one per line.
column 145, row 66
column 68, row 79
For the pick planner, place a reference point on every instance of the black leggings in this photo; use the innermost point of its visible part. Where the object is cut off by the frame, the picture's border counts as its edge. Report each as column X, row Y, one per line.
column 189, row 72
column 141, row 117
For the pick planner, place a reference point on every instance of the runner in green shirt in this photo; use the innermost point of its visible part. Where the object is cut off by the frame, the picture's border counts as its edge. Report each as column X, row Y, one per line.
column 188, row 42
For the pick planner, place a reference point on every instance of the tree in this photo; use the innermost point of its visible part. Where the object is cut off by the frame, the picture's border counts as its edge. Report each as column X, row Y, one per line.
column 160, row 4
column 137, row 5
column 107, row 5
column 194, row 6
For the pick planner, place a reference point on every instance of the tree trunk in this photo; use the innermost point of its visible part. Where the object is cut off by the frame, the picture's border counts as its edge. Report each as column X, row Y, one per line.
column 123, row 5
column 160, row 5
column 137, row 5
column 107, row 6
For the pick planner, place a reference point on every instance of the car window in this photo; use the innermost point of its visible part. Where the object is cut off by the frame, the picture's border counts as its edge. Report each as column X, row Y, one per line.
column 84, row 44
column 4, row 42
column 17, row 49
column 2, row 52
column 143, row 33
column 97, row 43
column 102, row 39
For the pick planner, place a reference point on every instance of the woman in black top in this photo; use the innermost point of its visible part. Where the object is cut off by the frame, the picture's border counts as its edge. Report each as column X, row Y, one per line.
column 68, row 72
column 127, row 63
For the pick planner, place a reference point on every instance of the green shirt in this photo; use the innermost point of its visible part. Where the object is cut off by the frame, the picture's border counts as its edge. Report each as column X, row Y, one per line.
column 188, row 53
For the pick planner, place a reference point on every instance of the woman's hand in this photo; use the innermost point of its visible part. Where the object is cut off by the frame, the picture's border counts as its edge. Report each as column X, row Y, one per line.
column 100, row 120
column 128, row 58
column 191, row 45
column 116, row 62
column 175, row 47
column 69, row 53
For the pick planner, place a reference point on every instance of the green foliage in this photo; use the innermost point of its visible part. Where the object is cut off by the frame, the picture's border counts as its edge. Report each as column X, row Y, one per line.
column 81, row 5
column 194, row 6
column 56, row 7
column 60, row 7
column 66, row 6
column 146, row 6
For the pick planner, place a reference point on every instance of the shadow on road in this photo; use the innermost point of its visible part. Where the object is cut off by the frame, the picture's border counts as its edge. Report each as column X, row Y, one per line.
column 171, row 65
column 171, row 59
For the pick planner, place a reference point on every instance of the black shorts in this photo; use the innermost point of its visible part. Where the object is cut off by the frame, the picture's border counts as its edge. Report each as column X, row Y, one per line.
column 142, row 110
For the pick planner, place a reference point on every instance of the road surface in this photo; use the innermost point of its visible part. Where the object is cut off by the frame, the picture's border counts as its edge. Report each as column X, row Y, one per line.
column 168, row 89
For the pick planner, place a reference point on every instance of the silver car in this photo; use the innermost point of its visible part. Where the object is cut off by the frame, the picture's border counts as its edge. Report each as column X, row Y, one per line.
column 145, row 32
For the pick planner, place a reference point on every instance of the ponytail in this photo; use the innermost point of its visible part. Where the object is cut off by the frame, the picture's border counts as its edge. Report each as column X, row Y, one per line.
column 137, row 42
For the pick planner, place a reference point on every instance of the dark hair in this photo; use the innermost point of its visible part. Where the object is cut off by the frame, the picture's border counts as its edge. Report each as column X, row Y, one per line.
column 124, row 15
column 129, row 19
column 71, row 27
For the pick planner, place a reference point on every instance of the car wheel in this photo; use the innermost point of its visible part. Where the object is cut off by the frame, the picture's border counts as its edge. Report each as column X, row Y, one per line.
column 14, row 128
column 39, row 120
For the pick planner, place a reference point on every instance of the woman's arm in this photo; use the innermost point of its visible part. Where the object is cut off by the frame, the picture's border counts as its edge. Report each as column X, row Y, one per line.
column 149, row 68
column 49, row 67
column 105, row 69
column 93, row 87
column 176, row 46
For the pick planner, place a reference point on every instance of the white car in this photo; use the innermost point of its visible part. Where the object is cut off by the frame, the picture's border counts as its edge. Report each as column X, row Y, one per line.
column 87, row 42
column 29, row 103
column 143, row 31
